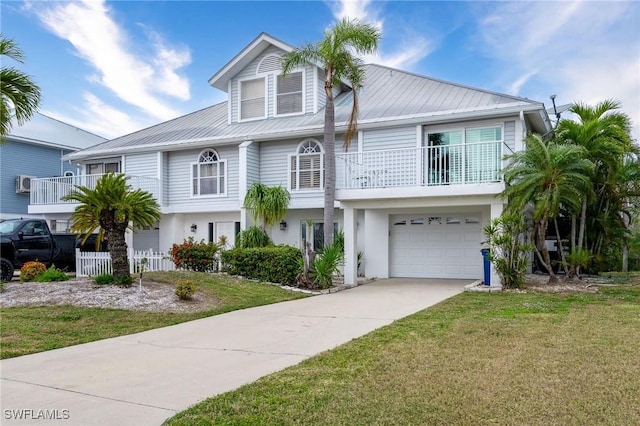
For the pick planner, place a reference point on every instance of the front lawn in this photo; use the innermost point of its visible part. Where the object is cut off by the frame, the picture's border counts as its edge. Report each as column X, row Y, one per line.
column 25, row 330
column 509, row 358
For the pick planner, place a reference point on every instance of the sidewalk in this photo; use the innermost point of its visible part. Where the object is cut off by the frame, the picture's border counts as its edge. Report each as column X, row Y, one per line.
column 145, row 378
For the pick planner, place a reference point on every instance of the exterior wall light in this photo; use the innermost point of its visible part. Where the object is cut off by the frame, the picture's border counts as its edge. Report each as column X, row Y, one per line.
column 194, row 228
column 283, row 225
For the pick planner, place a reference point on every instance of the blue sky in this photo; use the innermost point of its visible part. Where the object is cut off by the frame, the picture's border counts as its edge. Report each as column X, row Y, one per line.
column 116, row 67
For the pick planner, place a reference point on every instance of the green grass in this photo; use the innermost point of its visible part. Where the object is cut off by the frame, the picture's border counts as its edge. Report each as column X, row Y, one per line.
column 26, row 330
column 475, row 359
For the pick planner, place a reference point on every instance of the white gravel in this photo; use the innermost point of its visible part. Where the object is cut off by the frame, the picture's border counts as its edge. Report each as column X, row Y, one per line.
column 152, row 296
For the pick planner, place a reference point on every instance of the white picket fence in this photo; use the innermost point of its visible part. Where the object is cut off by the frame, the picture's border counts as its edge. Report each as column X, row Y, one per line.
column 90, row 264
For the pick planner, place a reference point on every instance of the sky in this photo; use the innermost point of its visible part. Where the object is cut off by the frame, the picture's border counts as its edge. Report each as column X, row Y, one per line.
column 114, row 67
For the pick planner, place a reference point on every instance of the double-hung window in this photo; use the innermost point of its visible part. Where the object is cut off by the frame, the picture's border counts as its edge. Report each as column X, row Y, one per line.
column 252, row 99
column 208, row 175
column 289, row 99
column 307, row 166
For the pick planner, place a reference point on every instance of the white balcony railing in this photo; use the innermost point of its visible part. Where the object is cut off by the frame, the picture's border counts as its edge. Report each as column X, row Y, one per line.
column 51, row 190
column 429, row 166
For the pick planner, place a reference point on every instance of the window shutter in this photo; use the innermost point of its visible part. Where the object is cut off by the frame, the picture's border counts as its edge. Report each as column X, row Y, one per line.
column 289, row 94
column 252, row 98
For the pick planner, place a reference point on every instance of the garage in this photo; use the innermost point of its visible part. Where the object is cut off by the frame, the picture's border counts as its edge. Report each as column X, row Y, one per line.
column 436, row 245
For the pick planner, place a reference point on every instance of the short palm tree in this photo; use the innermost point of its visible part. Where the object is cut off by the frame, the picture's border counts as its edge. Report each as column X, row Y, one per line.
column 337, row 54
column 20, row 95
column 546, row 175
column 110, row 209
column 266, row 204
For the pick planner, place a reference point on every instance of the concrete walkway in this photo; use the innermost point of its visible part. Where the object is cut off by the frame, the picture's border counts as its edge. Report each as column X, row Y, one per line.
column 145, row 378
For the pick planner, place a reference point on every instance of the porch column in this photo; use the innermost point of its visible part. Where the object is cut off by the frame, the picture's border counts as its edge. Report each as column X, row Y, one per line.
column 496, row 212
column 243, row 181
column 350, row 246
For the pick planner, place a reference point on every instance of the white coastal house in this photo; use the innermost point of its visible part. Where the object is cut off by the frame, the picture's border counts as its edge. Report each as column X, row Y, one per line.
column 414, row 190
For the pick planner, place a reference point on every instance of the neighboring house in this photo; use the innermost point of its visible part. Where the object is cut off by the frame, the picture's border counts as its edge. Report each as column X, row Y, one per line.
column 414, row 190
column 36, row 149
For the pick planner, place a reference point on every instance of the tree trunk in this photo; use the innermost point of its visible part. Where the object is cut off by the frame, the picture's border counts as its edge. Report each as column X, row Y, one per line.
column 542, row 233
column 572, row 269
column 583, row 225
column 329, row 164
column 560, row 248
column 116, row 244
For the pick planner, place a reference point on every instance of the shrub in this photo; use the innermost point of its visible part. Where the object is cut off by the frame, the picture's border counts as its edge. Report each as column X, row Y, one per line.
column 193, row 256
column 104, row 279
column 253, row 237
column 124, row 280
column 508, row 250
column 31, row 270
column 276, row 264
column 52, row 274
column 185, row 289
column 326, row 264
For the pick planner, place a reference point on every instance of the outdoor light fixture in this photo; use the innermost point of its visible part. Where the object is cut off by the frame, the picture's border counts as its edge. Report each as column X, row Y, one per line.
column 283, row 225
column 194, row 227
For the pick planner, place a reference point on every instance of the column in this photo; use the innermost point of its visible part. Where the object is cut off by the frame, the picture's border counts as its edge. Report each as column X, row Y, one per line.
column 350, row 246
column 496, row 212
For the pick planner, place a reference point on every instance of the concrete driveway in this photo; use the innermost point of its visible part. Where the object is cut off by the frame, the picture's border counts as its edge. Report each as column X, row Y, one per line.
column 144, row 378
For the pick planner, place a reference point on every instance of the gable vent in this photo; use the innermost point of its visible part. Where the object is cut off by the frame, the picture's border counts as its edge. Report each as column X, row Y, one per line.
column 269, row 64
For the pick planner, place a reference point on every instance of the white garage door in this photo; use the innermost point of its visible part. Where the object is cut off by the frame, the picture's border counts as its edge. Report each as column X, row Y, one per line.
column 436, row 246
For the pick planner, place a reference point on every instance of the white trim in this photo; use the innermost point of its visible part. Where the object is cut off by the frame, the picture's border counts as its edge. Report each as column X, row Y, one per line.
column 159, row 172
column 243, row 169
column 229, row 102
column 360, row 141
column 266, row 98
column 278, row 71
column 297, row 155
column 303, row 91
column 315, row 89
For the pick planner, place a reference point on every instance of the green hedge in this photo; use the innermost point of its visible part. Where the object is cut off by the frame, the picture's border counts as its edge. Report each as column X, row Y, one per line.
column 275, row 264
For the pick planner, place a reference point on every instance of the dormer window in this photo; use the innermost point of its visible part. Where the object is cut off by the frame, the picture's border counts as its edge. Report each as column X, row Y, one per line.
column 289, row 99
column 252, row 99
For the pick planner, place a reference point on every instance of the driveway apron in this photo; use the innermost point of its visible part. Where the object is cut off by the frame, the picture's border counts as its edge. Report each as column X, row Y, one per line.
column 145, row 378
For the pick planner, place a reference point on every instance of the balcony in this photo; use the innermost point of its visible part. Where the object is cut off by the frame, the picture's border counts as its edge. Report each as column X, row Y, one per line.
column 436, row 170
column 47, row 193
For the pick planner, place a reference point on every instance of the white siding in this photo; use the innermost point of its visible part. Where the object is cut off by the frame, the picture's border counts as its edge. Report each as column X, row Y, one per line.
column 179, row 173
column 165, row 177
column 399, row 137
column 510, row 136
column 253, row 163
column 142, row 164
column 308, row 90
column 320, row 90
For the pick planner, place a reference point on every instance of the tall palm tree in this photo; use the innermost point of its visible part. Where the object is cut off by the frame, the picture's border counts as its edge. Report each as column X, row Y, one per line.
column 604, row 133
column 19, row 94
column 110, row 209
column 337, row 54
column 546, row 175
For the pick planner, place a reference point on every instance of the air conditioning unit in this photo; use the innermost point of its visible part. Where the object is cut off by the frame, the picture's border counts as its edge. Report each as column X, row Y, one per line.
column 23, row 183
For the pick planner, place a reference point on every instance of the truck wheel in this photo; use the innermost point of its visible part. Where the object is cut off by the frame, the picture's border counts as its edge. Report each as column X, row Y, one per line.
column 6, row 270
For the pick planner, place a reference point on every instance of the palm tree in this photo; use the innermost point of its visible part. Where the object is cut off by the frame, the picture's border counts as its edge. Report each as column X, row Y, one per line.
column 20, row 95
column 266, row 204
column 110, row 209
column 337, row 55
column 605, row 136
column 546, row 176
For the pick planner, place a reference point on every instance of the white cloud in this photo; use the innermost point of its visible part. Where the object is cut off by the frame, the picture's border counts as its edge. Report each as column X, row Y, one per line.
column 582, row 51
column 140, row 80
column 97, row 117
column 409, row 51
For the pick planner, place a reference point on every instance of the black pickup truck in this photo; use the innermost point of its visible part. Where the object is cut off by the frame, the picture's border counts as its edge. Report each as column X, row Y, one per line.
column 25, row 240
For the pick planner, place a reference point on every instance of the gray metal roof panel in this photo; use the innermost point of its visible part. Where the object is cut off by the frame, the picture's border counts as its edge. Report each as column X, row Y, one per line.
column 388, row 94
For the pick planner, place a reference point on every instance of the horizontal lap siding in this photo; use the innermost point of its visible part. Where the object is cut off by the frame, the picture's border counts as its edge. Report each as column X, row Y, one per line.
column 400, row 137
column 142, row 164
column 510, row 136
column 179, row 170
column 18, row 158
column 253, row 163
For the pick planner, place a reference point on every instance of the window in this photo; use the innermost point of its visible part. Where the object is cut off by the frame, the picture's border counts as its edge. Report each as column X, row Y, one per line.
column 252, row 99
column 316, row 234
column 289, row 94
column 103, row 167
column 469, row 155
column 208, row 175
column 307, row 166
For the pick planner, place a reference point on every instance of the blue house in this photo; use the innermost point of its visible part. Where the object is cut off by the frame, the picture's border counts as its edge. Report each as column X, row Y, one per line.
column 35, row 150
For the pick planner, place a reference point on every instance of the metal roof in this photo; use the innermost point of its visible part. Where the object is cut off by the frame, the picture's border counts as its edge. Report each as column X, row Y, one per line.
column 389, row 96
column 44, row 130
